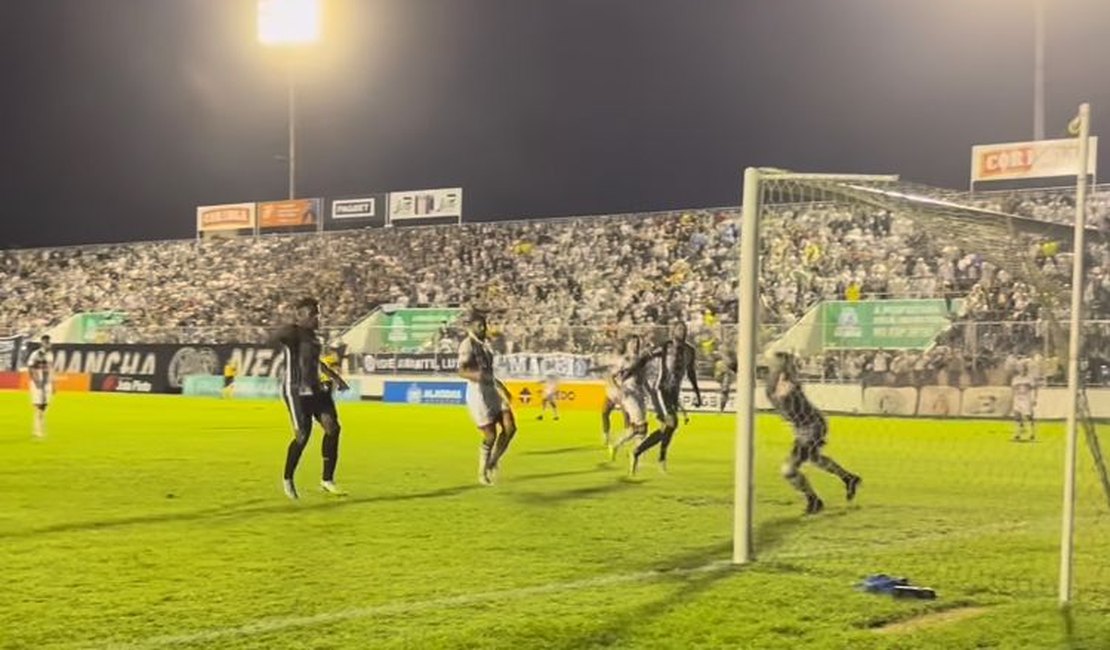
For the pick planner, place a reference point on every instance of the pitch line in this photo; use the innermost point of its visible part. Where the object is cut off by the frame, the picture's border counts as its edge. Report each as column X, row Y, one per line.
column 279, row 624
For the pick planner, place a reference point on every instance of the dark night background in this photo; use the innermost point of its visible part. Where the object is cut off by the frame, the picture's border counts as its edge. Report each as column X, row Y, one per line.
column 118, row 117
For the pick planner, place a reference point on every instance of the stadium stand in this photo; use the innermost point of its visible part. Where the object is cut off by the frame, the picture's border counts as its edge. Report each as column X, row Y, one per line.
column 564, row 284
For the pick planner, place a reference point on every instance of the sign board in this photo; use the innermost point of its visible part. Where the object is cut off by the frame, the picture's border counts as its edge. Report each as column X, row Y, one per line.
column 1024, row 160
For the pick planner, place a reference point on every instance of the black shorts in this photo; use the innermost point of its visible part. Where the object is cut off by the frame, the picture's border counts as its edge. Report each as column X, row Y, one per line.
column 809, row 438
column 666, row 402
column 303, row 409
column 228, row 381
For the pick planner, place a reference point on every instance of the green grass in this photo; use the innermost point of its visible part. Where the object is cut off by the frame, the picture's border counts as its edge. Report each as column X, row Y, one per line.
column 155, row 521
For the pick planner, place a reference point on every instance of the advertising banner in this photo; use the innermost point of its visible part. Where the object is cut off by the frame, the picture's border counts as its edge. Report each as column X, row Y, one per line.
column 987, row 402
column 127, row 384
column 10, row 352
column 165, row 366
column 541, row 366
column 424, row 392
column 578, row 396
column 425, row 207
column 409, row 330
column 890, row 401
column 64, row 382
column 939, row 401
column 410, row 364
column 293, row 214
column 226, row 217
column 1022, row 160
column 357, row 212
column 886, row 324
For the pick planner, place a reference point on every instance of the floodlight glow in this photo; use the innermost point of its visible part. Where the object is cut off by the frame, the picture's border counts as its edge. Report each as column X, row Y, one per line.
column 288, row 22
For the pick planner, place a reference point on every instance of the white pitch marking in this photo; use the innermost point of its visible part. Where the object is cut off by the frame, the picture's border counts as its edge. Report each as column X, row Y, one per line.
column 270, row 625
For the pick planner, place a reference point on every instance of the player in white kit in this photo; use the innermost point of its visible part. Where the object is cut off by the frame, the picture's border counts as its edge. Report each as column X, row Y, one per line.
column 487, row 398
column 40, row 367
column 550, row 397
column 631, row 383
column 1024, row 385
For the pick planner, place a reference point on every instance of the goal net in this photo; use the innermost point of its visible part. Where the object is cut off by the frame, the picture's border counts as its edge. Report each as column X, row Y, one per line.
column 930, row 328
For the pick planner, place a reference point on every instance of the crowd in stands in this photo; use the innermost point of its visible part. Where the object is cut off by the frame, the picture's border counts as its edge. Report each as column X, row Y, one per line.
column 569, row 285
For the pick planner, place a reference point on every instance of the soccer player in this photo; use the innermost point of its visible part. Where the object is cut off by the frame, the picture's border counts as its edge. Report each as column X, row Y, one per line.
column 1024, row 387
column 487, row 399
column 725, row 373
column 40, row 367
column 550, row 397
column 676, row 361
column 612, row 399
column 810, row 432
column 630, row 380
column 306, row 397
column 230, row 370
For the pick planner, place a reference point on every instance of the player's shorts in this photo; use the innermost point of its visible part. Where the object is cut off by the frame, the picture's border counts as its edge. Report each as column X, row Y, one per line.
column 303, row 409
column 485, row 404
column 1023, row 407
column 40, row 396
column 809, row 438
column 634, row 406
column 666, row 402
column 228, row 381
column 550, row 398
column 612, row 394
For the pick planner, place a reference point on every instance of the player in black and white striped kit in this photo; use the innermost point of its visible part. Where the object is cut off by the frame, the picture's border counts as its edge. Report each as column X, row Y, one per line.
column 784, row 389
column 306, row 397
column 676, row 362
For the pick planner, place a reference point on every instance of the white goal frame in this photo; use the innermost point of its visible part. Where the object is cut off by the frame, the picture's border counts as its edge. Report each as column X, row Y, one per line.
column 744, row 551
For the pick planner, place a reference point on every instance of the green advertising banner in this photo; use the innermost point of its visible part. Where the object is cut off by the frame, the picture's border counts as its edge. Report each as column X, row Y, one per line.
column 887, row 324
column 410, row 330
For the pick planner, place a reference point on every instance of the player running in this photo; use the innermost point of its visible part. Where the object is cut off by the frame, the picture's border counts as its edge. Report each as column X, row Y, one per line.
column 40, row 368
column 550, row 397
column 487, row 399
column 306, row 397
column 1024, row 387
column 676, row 361
column 632, row 386
column 810, row 432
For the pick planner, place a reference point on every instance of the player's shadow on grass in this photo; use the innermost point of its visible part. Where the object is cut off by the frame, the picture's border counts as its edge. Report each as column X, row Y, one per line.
column 562, row 450
column 553, row 498
column 237, row 511
column 539, row 477
column 692, row 574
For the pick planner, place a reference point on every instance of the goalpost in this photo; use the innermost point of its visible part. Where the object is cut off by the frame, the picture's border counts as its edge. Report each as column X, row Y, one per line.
column 1002, row 238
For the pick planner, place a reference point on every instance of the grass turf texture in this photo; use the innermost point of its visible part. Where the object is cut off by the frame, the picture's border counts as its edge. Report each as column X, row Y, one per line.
column 159, row 522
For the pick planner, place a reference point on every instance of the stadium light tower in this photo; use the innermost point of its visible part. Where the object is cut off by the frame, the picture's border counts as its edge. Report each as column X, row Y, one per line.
column 290, row 25
column 1038, row 69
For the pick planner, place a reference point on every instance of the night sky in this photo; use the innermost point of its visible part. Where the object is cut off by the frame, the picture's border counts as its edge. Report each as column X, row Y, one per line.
column 118, row 117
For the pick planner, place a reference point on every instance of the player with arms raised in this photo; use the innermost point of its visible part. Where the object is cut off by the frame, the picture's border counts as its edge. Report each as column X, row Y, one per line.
column 676, row 362
column 1024, row 386
column 784, row 389
column 40, row 368
column 487, row 399
column 306, row 396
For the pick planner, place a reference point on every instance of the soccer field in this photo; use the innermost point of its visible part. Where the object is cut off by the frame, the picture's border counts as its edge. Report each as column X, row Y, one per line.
column 148, row 522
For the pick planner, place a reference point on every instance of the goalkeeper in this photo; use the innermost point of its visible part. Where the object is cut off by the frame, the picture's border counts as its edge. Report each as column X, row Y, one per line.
column 810, row 431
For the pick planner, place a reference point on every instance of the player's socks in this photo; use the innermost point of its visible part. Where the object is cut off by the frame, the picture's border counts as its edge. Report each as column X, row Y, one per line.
column 484, row 453
column 330, row 449
column 814, row 505
column 633, row 463
column 832, row 467
column 290, row 489
column 292, row 458
column 851, row 484
column 655, row 438
column 662, row 465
